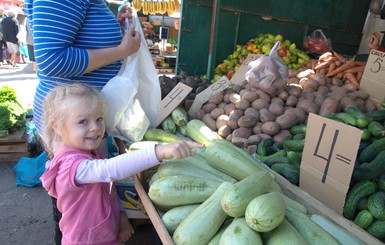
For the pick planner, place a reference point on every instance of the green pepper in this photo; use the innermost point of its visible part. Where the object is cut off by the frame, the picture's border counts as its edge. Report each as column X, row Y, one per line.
column 286, row 60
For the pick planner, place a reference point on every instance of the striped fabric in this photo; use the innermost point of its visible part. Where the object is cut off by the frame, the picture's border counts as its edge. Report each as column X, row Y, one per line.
column 62, row 32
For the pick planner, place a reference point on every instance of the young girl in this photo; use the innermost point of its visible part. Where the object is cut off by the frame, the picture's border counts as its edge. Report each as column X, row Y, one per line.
column 81, row 182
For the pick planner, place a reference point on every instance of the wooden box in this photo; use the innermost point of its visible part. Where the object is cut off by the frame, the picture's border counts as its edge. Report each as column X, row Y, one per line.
column 14, row 146
column 312, row 205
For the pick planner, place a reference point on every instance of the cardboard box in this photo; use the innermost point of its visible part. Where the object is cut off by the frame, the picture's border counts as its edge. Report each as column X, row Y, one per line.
column 130, row 199
column 373, row 81
column 312, row 205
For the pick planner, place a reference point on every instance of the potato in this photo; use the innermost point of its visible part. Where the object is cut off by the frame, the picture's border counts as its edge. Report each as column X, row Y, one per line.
column 216, row 98
column 254, row 139
column 308, row 106
column 217, row 112
column 295, row 90
column 208, row 107
column 271, row 128
column 361, row 94
column 360, row 104
column 323, row 89
column 233, row 120
column 210, row 122
column 239, row 142
column 292, row 100
column 229, row 108
column 242, row 132
column 262, row 95
column 249, row 96
column 330, row 105
column 347, row 102
column 242, row 105
column 292, row 80
column 319, row 99
column 234, row 98
column 226, row 98
column 222, row 105
column 266, row 116
column 350, row 87
column 283, row 95
column 300, row 113
column 224, row 131
column 370, row 106
column 252, row 112
column 221, row 121
column 257, row 129
column 260, row 104
column 320, row 78
column 247, row 121
column 337, row 82
column 243, row 91
column 199, row 115
column 286, row 120
column 276, row 109
column 281, row 135
column 237, row 112
column 277, row 100
column 339, row 93
column 309, row 83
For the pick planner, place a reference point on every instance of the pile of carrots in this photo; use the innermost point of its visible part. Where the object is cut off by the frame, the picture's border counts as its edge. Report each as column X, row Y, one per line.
column 333, row 64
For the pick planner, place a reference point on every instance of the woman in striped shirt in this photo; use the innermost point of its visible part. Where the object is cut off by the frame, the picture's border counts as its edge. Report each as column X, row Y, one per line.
column 77, row 41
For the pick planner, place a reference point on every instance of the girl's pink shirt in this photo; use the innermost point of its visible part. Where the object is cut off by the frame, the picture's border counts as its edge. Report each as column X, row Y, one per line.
column 90, row 212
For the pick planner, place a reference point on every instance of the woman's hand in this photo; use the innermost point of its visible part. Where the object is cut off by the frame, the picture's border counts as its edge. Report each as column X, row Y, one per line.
column 130, row 42
column 177, row 150
column 374, row 40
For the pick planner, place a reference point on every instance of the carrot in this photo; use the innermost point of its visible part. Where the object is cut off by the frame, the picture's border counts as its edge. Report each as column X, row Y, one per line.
column 338, row 63
column 339, row 57
column 356, row 69
column 332, row 66
column 347, row 65
column 353, row 79
column 359, row 76
column 360, row 63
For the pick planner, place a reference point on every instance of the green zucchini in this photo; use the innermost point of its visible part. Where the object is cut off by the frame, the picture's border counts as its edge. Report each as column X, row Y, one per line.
column 231, row 160
column 377, row 229
column 310, row 230
column 360, row 189
column 169, row 125
column 215, row 240
column 200, row 132
column 238, row 232
column 179, row 116
column 363, row 219
column 155, row 134
column 340, row 234
column 173, row 217
column 368, row 171
column 265, row 212
column 376, row 205
column 171, row 191
column 284, row 234
column 236, row 198
column 182, row 130
column 294, row 204
column 203, row 223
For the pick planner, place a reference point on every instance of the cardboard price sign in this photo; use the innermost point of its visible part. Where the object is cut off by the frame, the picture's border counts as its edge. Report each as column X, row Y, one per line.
column 372, row 80
column 328, row 160
column 204, row 96
column 171, row 101
column 239, row 75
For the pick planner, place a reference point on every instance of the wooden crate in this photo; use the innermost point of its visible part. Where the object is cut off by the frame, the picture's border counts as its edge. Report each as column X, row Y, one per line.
column 312, row 205
column 14, row 146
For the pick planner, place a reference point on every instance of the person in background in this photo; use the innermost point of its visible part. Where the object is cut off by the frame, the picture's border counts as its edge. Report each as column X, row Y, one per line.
column 29, row 42
column 10, row 29
column 85, row 44
column 374, row 42
column 2, row 16
column 79, row 178
column 22, row 37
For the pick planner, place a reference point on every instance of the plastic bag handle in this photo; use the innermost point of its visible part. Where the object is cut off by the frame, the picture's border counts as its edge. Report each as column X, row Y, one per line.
column 322, row 34
column 275, row 48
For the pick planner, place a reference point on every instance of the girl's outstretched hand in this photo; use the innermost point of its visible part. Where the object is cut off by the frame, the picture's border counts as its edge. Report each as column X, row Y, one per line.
column 177, row 150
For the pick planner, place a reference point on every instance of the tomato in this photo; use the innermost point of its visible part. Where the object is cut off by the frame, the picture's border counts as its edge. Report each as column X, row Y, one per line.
column 121, row 20
column 282, row 52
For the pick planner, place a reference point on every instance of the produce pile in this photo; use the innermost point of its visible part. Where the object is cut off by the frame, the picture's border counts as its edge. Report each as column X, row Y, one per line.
column 223, row 196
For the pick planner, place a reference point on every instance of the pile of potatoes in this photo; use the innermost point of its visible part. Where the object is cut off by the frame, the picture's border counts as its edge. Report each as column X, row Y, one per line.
column 245, row 114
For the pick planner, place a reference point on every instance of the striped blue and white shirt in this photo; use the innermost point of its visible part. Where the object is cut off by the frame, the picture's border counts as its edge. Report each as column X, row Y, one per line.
column 62, row 32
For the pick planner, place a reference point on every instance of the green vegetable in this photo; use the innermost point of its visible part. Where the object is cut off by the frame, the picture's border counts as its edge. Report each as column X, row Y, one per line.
column 363, row 219
column 368, row 171
column 290, row 172
column 204, row 222
column 169, row 125
column 263, row 145
column 217, row 237
column 377, row 129
column 311, row 231
column 155, row 134
column 377, row 229
column 238, row 232
column 173, row 217
column 284, row 234
column 376, row 205
column 294, row 145
column 179, row 116
column 200, row 132
column 371, row 151
column 360, row 189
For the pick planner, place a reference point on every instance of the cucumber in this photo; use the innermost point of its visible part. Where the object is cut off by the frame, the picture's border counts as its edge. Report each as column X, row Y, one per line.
column 360, row 189
column 284, row 234
column 280, row 153
column 376, row 129
column 377, row 229
column 236, row 198
column 294, row 157
column 381, row 181
column 378, row 115
column 310, row 230
column 172, row 191
column 372, row 150
column 346, row 118
column 204, row 222
column 238, row 232
column 290, row 172
column 173, row 217
column 298, row 129
column 270, row 161
column 274, row 148
column 366, row 134
column 376, row 205
column 294, row 145
column 263, row 145
column 336, row 231
column 362, row 119
column 362, row 203
column 368, row 171
column 298, row 137
column 363, row 219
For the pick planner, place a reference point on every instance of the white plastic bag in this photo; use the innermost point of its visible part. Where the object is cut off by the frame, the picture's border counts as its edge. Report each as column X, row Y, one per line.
column 133, row 96
column 268, row 73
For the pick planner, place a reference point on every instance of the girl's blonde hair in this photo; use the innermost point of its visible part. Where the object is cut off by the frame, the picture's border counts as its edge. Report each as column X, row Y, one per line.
column 56, row 110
